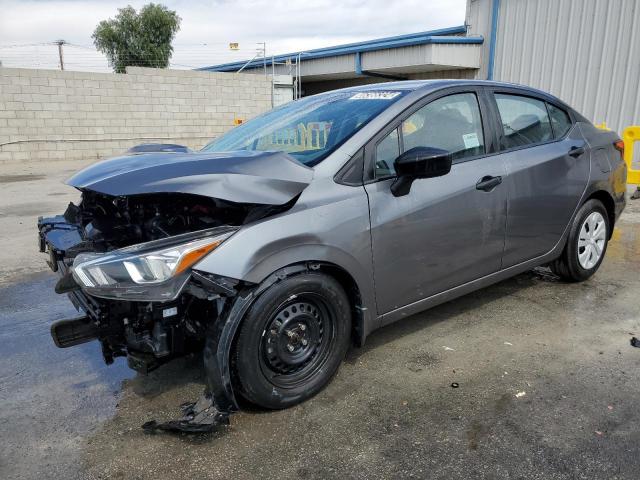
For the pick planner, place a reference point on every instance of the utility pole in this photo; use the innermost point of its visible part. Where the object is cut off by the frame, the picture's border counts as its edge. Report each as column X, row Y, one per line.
column 60, row 56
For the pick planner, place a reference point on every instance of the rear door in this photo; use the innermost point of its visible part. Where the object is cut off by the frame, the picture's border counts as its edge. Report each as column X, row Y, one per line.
column 448, row 230
column 548, row 169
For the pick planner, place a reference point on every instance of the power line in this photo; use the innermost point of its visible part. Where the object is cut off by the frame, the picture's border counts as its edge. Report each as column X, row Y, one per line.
column 17, row 45
column 85, row 57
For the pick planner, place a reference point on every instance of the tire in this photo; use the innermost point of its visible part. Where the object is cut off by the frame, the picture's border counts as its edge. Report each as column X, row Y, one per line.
column 292, row 341
column 586, row 245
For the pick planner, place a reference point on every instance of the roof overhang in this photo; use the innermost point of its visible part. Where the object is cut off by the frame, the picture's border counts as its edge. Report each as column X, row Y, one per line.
column 444, row 49
column 398, row 62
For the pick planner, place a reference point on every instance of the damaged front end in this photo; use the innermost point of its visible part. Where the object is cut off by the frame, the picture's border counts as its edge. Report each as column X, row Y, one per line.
column 126, row 256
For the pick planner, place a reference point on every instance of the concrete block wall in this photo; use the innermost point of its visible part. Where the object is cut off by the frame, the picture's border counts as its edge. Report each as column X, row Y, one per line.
column 63, row 115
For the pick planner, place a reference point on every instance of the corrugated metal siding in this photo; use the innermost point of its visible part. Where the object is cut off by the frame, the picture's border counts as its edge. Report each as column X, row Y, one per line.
column 586, row 52
column 327, row 65
column 447, row 55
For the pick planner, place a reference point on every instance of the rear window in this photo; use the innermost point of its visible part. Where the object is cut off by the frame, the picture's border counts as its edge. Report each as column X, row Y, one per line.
column 560, row 121
column 525, row 121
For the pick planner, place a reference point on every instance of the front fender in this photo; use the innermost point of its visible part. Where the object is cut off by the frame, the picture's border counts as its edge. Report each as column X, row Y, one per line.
column 257, row 273
column 329, row 224
column 324, row 254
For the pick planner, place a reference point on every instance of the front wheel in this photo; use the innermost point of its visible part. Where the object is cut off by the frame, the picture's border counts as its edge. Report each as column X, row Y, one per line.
column 586, row 245
column 292, row 340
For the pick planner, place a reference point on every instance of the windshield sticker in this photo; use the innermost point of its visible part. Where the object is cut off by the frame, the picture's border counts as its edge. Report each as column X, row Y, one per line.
column 374, row 96
column 470, row 140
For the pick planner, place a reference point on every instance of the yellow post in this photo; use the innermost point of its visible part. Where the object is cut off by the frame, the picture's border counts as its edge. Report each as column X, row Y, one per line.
column 630, row 135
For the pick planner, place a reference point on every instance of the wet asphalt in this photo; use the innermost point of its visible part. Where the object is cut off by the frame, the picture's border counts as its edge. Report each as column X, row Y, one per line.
column 548, row 387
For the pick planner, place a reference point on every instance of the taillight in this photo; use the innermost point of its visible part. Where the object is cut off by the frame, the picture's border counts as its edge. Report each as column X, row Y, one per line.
column 619, row 145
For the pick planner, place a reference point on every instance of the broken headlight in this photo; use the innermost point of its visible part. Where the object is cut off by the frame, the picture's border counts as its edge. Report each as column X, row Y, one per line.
column 152, row 271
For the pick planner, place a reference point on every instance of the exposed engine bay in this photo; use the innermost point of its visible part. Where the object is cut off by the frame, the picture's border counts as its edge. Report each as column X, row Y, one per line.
column 107, row 222
column 148, row 333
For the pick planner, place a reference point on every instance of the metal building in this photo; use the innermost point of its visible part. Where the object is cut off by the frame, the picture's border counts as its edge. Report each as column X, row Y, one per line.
column 586, row 52
column 443, row 53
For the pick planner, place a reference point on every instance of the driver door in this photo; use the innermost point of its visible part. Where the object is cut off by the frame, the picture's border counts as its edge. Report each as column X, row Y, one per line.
column 447, row 230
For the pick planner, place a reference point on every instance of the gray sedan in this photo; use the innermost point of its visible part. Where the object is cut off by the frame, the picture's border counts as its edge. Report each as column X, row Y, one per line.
column 303, row 230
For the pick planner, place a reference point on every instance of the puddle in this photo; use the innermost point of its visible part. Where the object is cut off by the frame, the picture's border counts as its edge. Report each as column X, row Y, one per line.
column 51, row 398
column 625, row 243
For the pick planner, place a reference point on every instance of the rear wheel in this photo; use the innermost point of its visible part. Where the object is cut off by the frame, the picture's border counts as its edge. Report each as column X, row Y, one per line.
column 292, row 340
column 586, row 245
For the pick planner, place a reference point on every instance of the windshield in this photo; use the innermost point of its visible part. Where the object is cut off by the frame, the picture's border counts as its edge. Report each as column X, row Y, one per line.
column 308, row 129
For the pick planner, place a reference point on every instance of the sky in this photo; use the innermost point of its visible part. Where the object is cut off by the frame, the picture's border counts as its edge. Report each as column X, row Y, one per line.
column 28, row 27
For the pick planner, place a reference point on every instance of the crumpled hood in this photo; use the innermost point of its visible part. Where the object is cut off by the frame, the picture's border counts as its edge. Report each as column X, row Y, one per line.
column 272, row 178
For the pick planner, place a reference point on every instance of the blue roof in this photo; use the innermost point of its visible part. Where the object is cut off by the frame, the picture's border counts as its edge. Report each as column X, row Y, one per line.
column 443, row 35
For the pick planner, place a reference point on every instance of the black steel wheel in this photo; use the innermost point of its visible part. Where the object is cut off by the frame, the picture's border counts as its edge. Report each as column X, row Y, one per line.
column 292, row 340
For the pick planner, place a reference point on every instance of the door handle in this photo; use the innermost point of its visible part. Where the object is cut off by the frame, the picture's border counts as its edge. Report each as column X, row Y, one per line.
column 575, row 151
column 488, row 183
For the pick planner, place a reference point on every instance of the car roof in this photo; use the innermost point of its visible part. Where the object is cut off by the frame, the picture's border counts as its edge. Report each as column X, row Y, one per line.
column 412, row 85
column 427, row 86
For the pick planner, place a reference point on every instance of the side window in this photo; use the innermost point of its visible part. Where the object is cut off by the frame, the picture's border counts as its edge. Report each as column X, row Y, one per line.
column 452, row 123
column 560, row 121
column 387, row 150
column 525, row 120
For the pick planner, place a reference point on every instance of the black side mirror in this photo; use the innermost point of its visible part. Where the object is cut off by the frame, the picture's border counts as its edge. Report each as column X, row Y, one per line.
column 419, row 162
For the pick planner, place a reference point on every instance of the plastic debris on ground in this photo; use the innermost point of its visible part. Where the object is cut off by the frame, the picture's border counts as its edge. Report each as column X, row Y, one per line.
column 199, row 417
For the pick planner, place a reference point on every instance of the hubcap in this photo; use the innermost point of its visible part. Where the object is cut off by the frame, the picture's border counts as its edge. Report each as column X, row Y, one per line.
column 591, row 242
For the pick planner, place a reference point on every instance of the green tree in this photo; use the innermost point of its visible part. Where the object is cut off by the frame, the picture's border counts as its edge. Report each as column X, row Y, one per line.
column 138, row 39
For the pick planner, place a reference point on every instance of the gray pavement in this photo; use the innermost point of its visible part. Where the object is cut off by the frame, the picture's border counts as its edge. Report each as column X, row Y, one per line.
column 549, row 386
